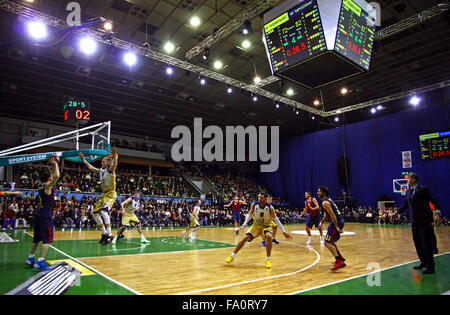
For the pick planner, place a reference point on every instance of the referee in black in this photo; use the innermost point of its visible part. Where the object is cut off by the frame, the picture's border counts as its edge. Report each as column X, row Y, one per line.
column 418, row 199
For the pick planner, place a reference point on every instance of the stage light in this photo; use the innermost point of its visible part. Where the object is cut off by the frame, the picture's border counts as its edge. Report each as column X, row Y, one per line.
column 414, row 101
column 316, row 102
column 37, row 30
column 290, row 92
column 297, row 112
column 277, row 105
column 344, row 91
column 373, row 110
column 108, row 26
column 218, row 65
column 130, row 59
column 256, row 79
column 254, row 98
column 336, row 119
column 88, row 45
column 202, row 80
column 313, row 117
column 247, row 27
column 229, row 89
column 246, row 44
column 169, row 47
column 195, row 21
column 169, row 70
column 205, row 53
column 380, row 107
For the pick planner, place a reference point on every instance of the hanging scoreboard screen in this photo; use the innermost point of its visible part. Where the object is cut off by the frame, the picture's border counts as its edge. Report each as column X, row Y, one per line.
column 77, row 110
column 294, row 36
column 355, row 34
column 435, row 145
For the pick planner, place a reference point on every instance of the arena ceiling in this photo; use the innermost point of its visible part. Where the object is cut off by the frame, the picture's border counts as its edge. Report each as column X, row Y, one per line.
column 144, row 101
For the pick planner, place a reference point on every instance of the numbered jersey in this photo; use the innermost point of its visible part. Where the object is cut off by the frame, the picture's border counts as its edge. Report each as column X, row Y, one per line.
column 262, row 215
column 335, row 209
column 107, row 180
column 132, row 206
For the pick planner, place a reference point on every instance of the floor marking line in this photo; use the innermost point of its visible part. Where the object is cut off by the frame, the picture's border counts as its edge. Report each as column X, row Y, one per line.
column 94, row 270
column 360, row 276
column 261, row 279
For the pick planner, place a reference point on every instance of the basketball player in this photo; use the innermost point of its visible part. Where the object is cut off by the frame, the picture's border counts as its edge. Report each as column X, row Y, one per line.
column 334, row 229
column 273, row 226
column 263, row 215
column 109, row 195
column 128, row 207
column 43, row 222
column 195, row 225
column 313, row 209
column 235, row 206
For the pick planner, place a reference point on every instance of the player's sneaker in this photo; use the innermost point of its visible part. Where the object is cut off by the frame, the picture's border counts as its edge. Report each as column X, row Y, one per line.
column 144, row 240
column 120, row 236
column 338, row 264
column 107, row 239
column 183, row 233
column 275, row 241
column 310, row 241
column 102, row 239
column 268, row 264
column 237, row 231
column 229, row 259
column 30, row 261
column 263, row 243
column 41, row 265
column 114, row 240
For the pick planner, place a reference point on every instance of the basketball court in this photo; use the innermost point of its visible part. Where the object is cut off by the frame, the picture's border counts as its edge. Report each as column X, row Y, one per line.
column 171, row 264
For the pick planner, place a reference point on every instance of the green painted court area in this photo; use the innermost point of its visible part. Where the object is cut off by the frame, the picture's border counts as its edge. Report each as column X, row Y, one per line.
column 13, row 270
column 401, row 280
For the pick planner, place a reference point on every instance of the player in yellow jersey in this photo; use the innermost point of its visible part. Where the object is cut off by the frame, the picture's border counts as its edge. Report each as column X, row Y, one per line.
column 195, row 225
column 263, row 214
column 128, row 207
column 109, row 195
column 273, row 225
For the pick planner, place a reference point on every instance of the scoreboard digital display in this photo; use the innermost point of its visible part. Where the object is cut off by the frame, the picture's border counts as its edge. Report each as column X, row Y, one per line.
column 435, row 145
column 77, row 110
column 295, row 36
column 355, row 34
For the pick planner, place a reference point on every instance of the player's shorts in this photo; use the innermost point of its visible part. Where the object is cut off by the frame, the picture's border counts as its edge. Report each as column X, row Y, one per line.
column 313, row 221
column 107, row 199
column 194, row 222
column 332, row 234
column 129, row 219
column 43, row 230
column 273, row 225
column 236, row 216
column 258, row 230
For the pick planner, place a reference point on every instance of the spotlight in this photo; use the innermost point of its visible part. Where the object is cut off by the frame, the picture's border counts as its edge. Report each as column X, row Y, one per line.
column 37, row 30
column 247, row 27
column 169, row 70
column 108, row 26
column 344, row 91
column 229, row 89
column 88, row 45
column 218, row 64
column 256, row 79
column 336, row 119
column 373, row 110
column 254, row 98
column 205, row 53
column 169, row 47
column 195, row 21
column 202, row 80
column 297, row 112
column 246, row 44
column 277, row 105
column 130, row 59
column 316, row 102
column 313, row 117
column 414, row 101
column 290, row 92
column 380, row 107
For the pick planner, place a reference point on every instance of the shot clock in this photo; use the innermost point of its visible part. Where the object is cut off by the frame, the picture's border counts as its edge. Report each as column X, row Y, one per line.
column 78, row 110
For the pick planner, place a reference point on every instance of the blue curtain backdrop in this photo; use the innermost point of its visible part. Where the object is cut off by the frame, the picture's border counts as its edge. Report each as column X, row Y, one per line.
column 373, row 148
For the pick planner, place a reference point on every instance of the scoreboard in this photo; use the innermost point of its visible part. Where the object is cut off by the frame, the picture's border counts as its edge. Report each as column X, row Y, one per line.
column 356, row 31
column 435, row 145
column 295, row 35
column 77, row 110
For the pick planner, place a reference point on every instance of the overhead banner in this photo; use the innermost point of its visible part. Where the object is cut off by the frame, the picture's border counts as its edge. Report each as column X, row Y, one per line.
column 406, row 159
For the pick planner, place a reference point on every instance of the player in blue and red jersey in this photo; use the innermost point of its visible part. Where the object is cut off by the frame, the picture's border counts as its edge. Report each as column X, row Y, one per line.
column 236, row 207
column 313, row 210
column 335, row 228
column 43, row 218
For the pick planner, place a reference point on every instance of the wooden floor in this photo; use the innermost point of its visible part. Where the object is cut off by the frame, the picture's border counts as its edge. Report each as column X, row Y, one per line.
column 295, row 266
